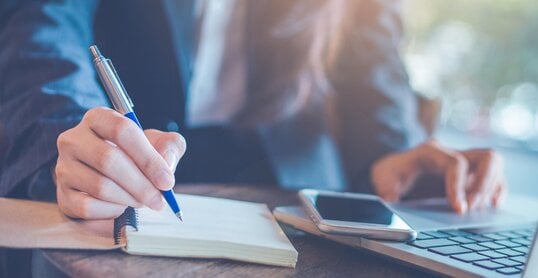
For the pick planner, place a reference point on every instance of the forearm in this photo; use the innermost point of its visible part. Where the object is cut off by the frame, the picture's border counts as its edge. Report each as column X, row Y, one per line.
column 46, row 80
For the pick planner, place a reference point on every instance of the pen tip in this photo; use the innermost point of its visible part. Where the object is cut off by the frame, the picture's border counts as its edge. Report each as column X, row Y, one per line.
column 180, row 216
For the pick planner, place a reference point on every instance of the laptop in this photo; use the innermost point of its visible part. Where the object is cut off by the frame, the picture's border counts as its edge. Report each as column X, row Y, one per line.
column 486, row 243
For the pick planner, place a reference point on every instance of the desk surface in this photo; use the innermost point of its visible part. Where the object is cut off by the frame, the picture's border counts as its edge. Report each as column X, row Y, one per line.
column 317, row 257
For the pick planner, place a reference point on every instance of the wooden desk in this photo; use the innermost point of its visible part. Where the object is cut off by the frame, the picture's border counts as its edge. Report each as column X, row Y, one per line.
column 317, row 257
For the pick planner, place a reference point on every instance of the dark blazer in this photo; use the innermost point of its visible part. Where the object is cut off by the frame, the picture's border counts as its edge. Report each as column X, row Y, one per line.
column 47, row 82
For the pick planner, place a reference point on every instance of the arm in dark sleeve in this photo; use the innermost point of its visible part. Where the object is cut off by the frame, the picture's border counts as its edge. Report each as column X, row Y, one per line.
column 47, row 82
column 376, row 107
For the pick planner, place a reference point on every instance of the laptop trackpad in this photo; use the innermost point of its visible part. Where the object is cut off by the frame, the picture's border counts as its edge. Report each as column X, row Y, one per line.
column 435, row 213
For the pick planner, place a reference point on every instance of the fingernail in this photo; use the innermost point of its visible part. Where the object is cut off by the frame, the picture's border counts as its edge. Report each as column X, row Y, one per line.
column 463, row 207
column 171, row 159
column 497, row 201
column 470, row 197
column 165, row 180
column 156, row 203
column 471, row 201
column 477, row 200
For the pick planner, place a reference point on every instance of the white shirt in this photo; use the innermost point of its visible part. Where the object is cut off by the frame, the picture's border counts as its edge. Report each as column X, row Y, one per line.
column 217, row 90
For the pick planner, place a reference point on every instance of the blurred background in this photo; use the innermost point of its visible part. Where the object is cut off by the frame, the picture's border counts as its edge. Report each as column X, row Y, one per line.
column 478, row 60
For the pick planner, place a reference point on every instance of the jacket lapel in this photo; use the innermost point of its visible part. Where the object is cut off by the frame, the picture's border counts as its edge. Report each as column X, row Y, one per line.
column 182, row 18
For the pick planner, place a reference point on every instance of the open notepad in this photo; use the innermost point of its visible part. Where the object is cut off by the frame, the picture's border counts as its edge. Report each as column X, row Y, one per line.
column 212, row 228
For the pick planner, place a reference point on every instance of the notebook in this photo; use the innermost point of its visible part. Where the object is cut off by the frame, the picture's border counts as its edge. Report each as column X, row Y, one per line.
column 212, row 228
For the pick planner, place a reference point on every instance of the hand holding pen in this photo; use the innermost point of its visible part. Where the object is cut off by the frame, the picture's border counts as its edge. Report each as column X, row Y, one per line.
column 107, row 163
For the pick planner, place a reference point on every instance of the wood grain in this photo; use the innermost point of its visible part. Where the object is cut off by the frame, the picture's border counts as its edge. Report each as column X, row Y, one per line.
column 317, row 257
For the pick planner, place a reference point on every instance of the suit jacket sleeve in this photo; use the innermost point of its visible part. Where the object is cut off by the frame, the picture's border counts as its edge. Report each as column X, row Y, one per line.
column 47, row 82
column 376, row 107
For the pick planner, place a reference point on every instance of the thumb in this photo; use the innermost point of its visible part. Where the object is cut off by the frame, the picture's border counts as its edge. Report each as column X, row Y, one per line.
column 393, row 176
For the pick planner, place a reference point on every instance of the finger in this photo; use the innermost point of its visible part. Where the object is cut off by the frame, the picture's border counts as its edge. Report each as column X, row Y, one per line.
column 486, row 198
column 393, row 176
column 454, row 167
column 81, row 177
column 113, row 163
column 123, row 132
column 455, row 185
column 170, row 145
column 500, row 194
column 80, row 205
column 486, row 168
column 387, row 188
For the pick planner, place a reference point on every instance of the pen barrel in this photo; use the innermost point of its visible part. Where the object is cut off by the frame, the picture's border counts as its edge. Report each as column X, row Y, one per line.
column 113, row 86
column 171, row 200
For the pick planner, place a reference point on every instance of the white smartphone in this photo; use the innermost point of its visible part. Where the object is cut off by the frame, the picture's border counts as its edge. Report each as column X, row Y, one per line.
column 354, row 214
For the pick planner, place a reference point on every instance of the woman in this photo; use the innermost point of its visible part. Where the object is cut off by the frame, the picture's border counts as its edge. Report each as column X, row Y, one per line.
column 298, row 93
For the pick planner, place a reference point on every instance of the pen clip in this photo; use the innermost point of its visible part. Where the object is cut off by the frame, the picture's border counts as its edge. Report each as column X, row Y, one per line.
column 123, row 92
column 129, row 100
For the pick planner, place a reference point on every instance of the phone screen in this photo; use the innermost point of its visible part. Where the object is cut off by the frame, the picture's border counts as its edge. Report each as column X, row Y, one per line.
column 354, row 210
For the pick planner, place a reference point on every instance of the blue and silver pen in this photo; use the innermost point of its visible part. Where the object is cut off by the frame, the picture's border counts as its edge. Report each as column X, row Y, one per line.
column 123, row 104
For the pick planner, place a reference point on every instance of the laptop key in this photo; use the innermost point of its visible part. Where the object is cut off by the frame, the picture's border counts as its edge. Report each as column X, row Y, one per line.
column 492, row 254
column 526, row 232
column 509, row 252
column 474, row 247
column 488, row 264
column 461, row 239
column 436, row 234
column 522, row 241
column 469, row 257
column 491, row 245
column 509, row 270
column 508, row 243
column 522, row 249
column 456, row 232
column 509, row 234
column 519, row 259
column 430, row 243
column 422, row 236
column 494, row 236
column 506, row 262
column 479, row 238
column 449, row 250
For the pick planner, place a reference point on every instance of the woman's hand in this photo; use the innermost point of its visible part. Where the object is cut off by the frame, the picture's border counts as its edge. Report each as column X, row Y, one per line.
column 107, row 163
column 473, row 179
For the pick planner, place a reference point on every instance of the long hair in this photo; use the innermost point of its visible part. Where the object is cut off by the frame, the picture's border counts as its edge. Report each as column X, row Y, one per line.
column 291, row 45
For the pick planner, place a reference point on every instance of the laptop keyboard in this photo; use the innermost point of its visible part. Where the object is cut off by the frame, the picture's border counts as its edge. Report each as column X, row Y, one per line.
column 501, row 251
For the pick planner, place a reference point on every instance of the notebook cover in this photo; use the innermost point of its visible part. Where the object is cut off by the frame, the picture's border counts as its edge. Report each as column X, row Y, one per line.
column 30, row 224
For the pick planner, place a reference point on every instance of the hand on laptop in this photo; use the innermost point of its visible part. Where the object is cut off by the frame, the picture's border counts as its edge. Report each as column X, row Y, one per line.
column 107, row 163
column 473, row 178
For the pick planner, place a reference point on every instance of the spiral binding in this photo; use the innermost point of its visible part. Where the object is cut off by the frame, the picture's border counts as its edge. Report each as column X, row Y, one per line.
column 128, row 218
